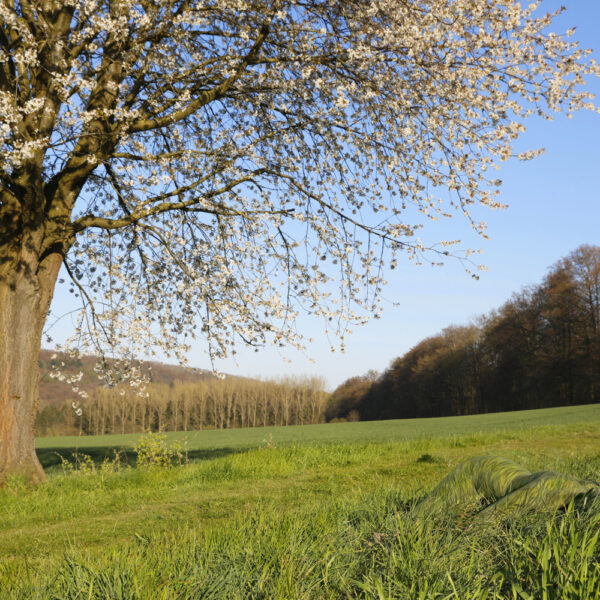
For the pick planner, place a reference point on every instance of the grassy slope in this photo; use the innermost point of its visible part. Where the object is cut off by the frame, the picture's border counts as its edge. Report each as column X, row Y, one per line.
column 292, row 512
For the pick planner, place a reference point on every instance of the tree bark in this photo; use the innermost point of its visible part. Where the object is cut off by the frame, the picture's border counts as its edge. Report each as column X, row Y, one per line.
column 26, row 288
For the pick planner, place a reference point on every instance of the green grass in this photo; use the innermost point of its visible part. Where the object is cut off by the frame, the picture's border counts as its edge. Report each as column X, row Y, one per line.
column 218, row 442
column 303, row 512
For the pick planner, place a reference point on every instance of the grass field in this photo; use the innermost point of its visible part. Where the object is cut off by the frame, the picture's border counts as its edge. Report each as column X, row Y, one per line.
column 302, row 512
column 233, row 440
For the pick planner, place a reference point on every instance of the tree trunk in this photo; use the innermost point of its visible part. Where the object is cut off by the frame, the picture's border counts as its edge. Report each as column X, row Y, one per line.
column 26, row 289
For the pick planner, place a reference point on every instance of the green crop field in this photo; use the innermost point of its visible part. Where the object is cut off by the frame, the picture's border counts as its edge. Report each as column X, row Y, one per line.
column 319, row 511
column 371, row 431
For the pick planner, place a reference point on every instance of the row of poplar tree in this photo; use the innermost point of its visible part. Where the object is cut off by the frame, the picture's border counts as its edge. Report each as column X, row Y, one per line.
column 541, row 349
column 210, row 404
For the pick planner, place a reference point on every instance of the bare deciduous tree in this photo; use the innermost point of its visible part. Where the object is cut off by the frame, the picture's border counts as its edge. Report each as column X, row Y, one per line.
column 288, row 401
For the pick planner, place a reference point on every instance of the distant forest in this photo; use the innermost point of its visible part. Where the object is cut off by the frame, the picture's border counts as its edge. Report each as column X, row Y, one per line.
column 541, row 349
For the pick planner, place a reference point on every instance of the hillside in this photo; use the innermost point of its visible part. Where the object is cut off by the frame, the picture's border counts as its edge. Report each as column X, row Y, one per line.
column 55, row 393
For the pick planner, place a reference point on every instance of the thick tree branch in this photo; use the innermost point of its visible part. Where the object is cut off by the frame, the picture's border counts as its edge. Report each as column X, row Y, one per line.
column 191, row 205
column 205, row 97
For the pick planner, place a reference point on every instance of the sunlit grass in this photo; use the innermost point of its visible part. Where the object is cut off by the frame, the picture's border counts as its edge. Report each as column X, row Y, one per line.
column 322, row 518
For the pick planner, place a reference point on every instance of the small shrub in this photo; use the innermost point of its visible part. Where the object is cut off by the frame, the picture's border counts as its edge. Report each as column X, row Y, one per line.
column 153, row 451
column 113, row 465
column 83, row 464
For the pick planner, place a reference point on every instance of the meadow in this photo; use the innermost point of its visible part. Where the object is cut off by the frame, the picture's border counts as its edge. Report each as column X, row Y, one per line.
column 320, row 511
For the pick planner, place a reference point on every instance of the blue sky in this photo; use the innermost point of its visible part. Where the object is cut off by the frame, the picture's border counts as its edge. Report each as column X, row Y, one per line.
column 554, row 206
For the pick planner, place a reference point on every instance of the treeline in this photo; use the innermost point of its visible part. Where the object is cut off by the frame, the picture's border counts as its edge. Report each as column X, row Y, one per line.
column 541, row 349
column 182, row 406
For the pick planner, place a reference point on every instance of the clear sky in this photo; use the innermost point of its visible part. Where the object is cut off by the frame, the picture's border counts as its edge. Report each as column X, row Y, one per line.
column 554, row 206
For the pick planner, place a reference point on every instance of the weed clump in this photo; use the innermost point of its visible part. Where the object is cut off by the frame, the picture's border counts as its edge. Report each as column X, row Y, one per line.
column 84, row 464
column 152, row 450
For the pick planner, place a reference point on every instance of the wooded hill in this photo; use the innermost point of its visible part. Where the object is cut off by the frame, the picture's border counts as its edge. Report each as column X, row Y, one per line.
column 177, row 398
column 55, row 393
column 540, row 349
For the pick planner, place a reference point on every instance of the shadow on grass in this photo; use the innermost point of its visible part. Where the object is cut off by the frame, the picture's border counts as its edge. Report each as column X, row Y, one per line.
column 53, row 457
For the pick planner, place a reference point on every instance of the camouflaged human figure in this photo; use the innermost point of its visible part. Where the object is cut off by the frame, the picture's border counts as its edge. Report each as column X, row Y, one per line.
column 494, row 486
